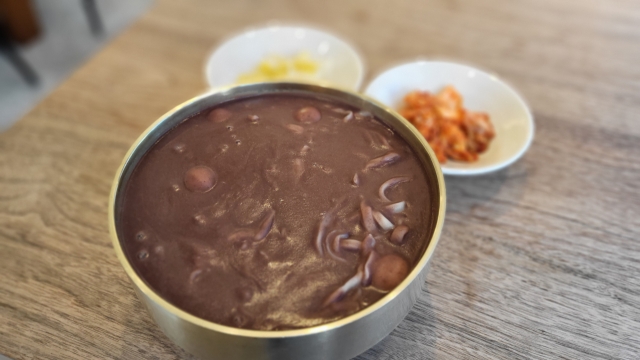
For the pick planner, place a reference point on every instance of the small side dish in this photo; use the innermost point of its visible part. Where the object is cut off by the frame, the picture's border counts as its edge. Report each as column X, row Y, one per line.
column 511, row 118
column 452, row 131
column 291, row 53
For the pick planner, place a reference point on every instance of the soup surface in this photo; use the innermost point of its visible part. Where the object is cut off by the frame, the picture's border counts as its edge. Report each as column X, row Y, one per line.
column 276, row 212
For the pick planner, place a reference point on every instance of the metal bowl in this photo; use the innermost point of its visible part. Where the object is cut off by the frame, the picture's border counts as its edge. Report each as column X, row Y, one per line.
column 340, row 339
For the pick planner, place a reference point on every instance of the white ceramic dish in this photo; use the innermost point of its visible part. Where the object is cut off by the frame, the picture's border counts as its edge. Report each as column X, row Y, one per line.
column 340, row 64
column 481, row 91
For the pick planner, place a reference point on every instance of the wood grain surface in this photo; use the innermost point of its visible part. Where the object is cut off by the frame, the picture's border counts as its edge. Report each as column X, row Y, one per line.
column 538, row 261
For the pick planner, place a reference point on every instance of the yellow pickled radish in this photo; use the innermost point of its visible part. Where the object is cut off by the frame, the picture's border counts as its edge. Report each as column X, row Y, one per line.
column 303, row 63
column 275, row 67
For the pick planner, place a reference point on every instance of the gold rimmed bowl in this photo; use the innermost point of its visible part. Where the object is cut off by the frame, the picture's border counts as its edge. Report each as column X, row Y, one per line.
column 341, row 339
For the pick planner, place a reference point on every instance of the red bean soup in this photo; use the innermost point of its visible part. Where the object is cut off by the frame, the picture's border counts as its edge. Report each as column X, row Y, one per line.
column 276, row 212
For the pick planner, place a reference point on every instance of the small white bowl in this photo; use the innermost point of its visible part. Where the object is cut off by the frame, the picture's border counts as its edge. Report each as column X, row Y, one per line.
column 481, row 91
column 340, row 64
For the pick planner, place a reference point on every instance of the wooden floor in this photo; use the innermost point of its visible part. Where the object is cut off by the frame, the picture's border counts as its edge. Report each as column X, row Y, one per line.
column 538, row 261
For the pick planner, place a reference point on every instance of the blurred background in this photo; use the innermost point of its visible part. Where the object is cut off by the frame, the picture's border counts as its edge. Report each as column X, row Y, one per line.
column 43, row 41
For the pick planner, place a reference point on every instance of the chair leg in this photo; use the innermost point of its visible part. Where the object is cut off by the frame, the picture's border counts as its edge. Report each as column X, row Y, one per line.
column 93, row 16
column 21, row 65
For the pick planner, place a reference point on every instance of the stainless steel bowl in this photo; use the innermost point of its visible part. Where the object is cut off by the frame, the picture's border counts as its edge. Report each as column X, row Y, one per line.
column 340, row 339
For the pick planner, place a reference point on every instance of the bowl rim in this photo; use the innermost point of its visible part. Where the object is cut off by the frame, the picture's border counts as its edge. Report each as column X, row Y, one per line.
column 271, row 334
column 422, row 61
column 276, row 26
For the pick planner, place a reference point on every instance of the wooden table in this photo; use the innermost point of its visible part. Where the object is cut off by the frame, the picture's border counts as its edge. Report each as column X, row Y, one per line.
column 541, row 260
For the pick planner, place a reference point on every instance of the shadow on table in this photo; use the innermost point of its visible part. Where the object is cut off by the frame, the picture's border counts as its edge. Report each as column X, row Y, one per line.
column 141, row 337
column 413, row 339
column 472, row 195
